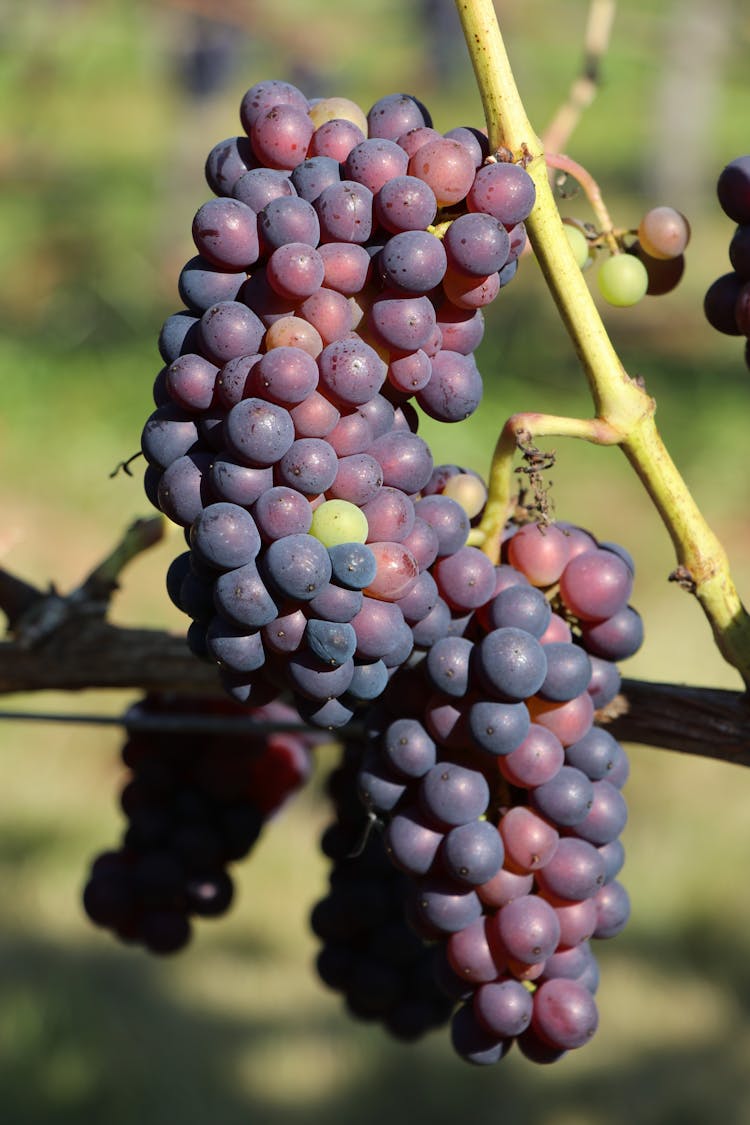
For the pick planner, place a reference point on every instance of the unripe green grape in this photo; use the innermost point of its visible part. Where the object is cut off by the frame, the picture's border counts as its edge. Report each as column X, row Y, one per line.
column 622, row 280
column 467, row 490
column 339, row 521
column 664, row 232
column 578, row 244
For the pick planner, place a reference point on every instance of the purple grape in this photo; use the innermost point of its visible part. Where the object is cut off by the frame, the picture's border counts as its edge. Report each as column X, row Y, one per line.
column 288, row 219
column 395, row 114
column 595, row 754
column 242, row 596
column 447, row 518
column 615, row 638
column 226, row 162
column 405, row 459
column 565, row 1013
column 282, row 511
column 733, row 189
column 376, row 625
column 332, row 642
column 313, row 175
column 453, row 794
column 605, row 681
column 369, row 680
column 169, row 433
column 528, row 929
column 432, row 627
column 228, row 330
column 520, row 607
column 309, row 466
column 390, row 516
column 413, row 261
column 606, row 818
column 225, row 232
column 258, row 432
column 336, row 603
column 448, row 664
column 455, row 387
column 225, row 536
column 575, row 872
column 265, row 95
column 258, row 186
column 503, row 1007
column 202, row 284
column 402, row 322
column 566, row 799
column 477, row 244
column 405, row 203
column 568, row 672
column 182, row 490
column 511, row 663
column 465, row 579
column 280, row 136
column 344, row 211
column 472, row 1042
column 178, row 335
column 505, row 191
column 358, row 479
column 420, row 600
column 445, row 906
column 411, row 843
column 238, row 483
column 285, row 633
column 613, row 855
column 407, row 748
column 462, row 330
column 498, row 728
column 286, row 376
column 720, row 302
column 234, row 646
column 351, row 372
column 375, row 161
column 298, row 566
column 473, row 853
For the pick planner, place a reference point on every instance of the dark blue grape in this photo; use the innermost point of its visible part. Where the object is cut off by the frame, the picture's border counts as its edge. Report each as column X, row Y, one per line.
column 520, row 607
column 242, row 596
column 511, row 663
column 407, row 748
column 498, row 728
column 298, row 566
column 331, row 641
column 473, row 853
column 453, row 794
column 352, row 565
column 568, row 672
column 448, row 663
column 225, row 536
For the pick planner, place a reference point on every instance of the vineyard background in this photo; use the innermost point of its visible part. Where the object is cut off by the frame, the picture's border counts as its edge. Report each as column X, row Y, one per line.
column 104, row 141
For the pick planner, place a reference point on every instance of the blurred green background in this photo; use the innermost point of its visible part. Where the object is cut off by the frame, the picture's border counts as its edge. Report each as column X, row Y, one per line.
column 108, row 110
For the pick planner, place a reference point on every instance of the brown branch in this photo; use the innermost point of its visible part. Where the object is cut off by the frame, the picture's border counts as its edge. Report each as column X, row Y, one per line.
column 708, row 722
column 88, row 652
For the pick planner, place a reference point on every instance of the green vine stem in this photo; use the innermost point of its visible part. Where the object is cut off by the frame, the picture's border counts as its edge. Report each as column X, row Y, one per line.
column 619, row 401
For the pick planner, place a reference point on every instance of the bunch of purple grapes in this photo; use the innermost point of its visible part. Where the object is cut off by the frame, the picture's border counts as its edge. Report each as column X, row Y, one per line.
column 502, row 799
column 194, row 803
column 341, row 271
column 727, row 301
column 370, row 954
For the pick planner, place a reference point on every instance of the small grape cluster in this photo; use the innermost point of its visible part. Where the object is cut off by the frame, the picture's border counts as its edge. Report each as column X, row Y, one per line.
column 341, row 271
column 369, row 953
column 651, row 264
column 194, row 803
column 727, row 301
column 501, row 798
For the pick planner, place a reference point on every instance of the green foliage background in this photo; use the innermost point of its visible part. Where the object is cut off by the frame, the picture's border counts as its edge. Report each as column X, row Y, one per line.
column 101, row 154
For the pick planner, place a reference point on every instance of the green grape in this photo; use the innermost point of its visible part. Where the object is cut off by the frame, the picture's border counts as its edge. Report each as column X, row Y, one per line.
column 623, row 280
column 338, row 521
column 467, row 490
column 578, row 244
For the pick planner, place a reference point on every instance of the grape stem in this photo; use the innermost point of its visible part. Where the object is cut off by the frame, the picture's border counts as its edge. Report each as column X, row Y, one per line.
column 515, row 434
column 621, row 404
column 592, row 191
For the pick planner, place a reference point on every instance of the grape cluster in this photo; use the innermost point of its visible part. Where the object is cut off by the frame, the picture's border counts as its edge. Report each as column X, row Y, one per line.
column 727, row 301
column 501, row 797
column 341, row 271
column 369, row 953
column 194, row 803
column 650, row 264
